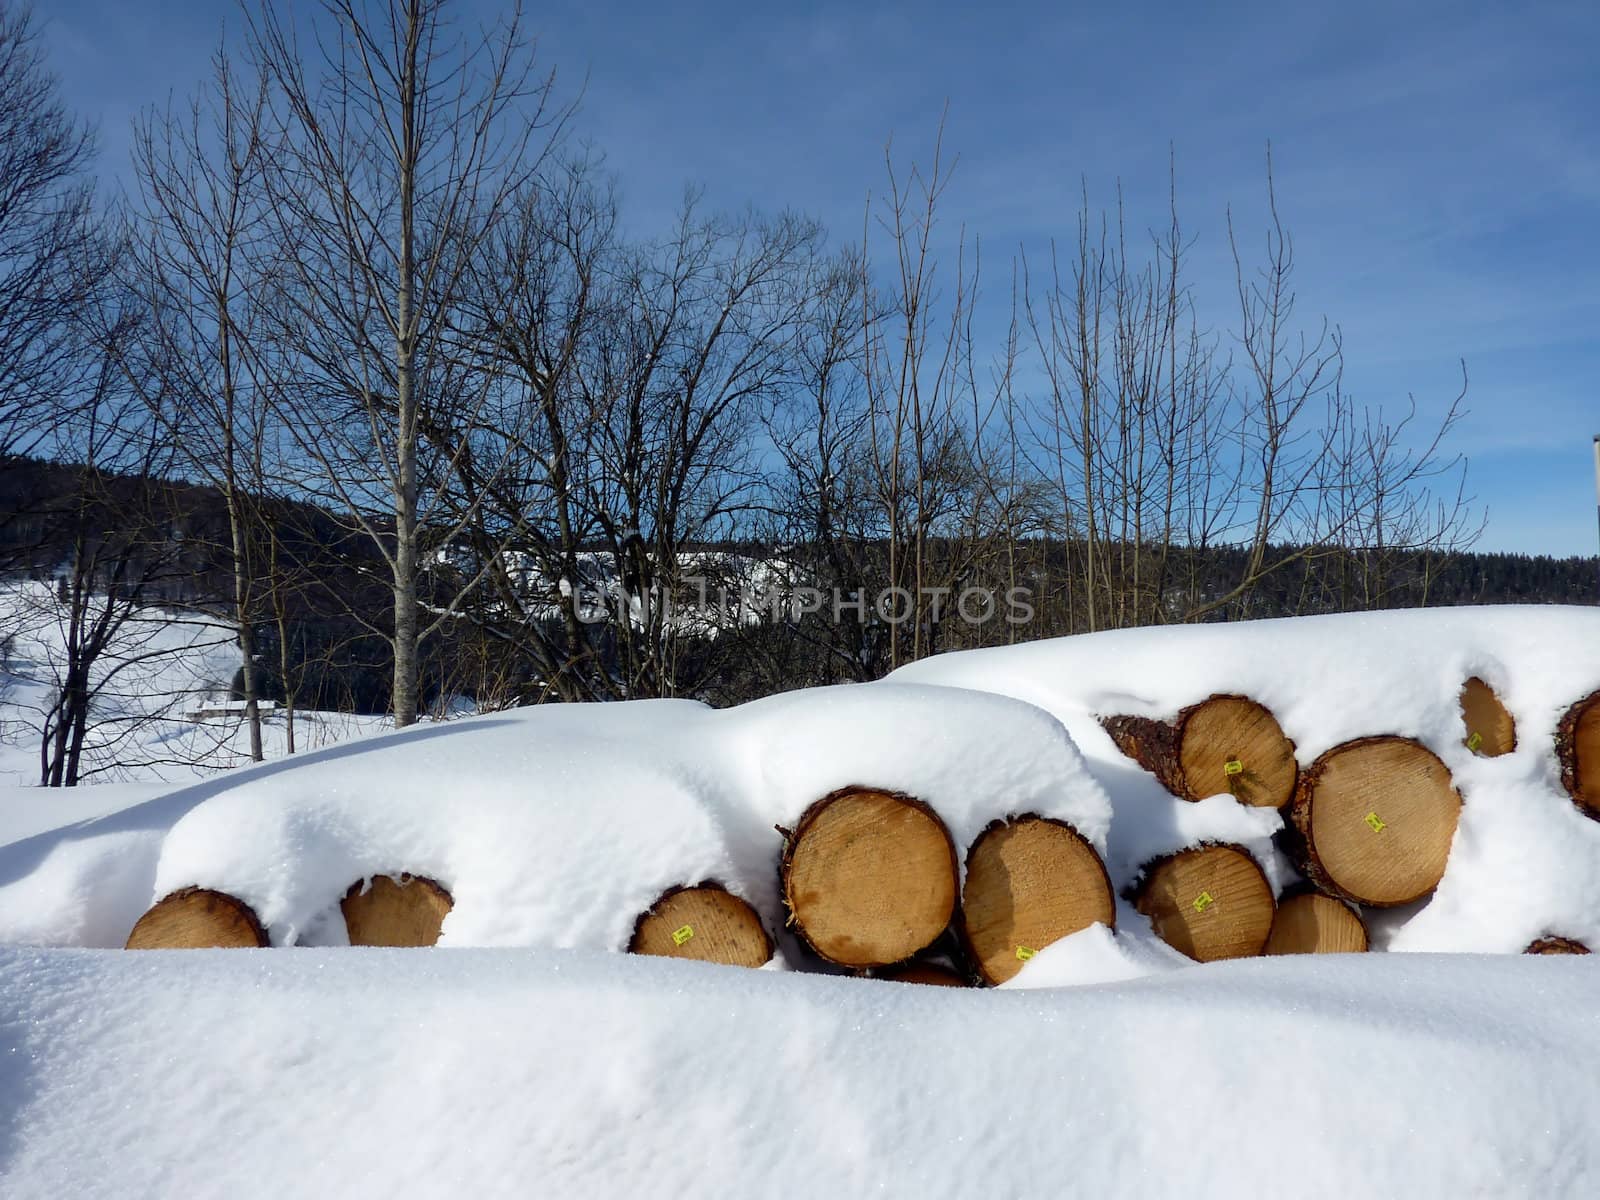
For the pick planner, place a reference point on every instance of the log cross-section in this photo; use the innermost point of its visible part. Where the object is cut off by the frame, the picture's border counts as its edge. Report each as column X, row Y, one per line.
column 1208, row 902
column 1550, row 944
column 705, row 923
column 933, row 974
column 1030, row 881
column 195, row 919
column 1489, row 729
column 1578, row 752
column 403, row 910
column 869, row 877
column 1373, row 820
column 1309, row 923
column 1224, row 744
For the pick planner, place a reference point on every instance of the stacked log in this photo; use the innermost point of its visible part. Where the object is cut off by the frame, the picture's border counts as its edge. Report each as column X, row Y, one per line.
column 1490, row 730
column 1374, row 819
column 1556, row 945
column 1578, row 751
column 932, row 974
column 1311, row 923
column 197, row 919
column 869, row 877
column 407, row 910
column 704, row 923
column 1209, row 902
column 1030, row 881
column 1223, row 744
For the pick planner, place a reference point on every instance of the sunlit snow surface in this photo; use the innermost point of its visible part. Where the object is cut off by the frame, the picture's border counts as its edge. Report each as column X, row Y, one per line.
column 479, row 1073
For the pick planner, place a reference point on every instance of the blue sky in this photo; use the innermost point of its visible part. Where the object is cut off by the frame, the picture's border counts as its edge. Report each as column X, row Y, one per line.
column 1439, row 166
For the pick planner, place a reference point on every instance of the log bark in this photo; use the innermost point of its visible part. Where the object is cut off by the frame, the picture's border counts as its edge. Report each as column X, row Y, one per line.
column 1490, row 729
column 1372, row 821
column 389, row 911
column 1311, row 923
column 705, row 923
column 869, row 877
column 196, row 919
column 1578, row 752
column 1223, row 744
column 1210, row 901
column 1030, row 881
column 1556, row 945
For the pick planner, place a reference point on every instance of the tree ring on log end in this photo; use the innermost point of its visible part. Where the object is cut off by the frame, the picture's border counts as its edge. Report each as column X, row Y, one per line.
column 928, row 973
column 1551, row 944
column 1376, row 817
column 1208, row 902
column 404, row 911
column 197, row 919
column 704, row 923
column 1310, row 923
column 869, row 877
column 1223, row 744
column 1232, row 744
column 1490, row 730
column 1578, row 751
column 1030, row 881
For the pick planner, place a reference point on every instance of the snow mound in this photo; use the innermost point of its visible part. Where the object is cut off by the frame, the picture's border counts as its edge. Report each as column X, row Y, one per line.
column 370, row 1073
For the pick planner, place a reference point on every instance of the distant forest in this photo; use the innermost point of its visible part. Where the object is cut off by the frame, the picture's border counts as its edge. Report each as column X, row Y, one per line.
column 316, row 648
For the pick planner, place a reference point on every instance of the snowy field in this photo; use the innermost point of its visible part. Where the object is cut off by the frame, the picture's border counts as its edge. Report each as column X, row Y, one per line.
column 160, row 709
column 528, row 1055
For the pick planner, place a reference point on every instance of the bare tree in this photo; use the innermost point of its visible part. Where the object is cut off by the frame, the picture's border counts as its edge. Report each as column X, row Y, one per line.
column 203, row 267
column 400, row 149
column 115, row 527
column 46, row 226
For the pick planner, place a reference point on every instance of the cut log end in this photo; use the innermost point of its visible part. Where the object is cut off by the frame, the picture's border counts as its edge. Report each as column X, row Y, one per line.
column 1489, row 729
column 1030, row 881
column 1375, row 819
column 404, row 911
column 869, row 877
column 1315, row 924
column 1224, row 744
column 198, row 919
column 1578, row 751
column 1232, row 744
column 1209, row 902
column 1556, row 945
column 928, row 973
column 705, row 923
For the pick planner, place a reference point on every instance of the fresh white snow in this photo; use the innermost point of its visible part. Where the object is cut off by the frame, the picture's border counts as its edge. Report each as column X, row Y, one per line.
column 486, row 1073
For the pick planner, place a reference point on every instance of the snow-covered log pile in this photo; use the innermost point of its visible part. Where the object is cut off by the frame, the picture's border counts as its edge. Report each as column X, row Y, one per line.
column 1425, row 780
column 1416, row 780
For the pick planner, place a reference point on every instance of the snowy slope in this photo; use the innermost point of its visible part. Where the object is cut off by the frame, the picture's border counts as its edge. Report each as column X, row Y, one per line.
column 486, row 1073
column 161, row 670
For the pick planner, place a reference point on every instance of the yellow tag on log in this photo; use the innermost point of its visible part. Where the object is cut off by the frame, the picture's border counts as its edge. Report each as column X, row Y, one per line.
column 1024, row 954
column 1203, row 901
column 1233, row 767
column 1377, row 825
column 682, row 935
column 1474, row 742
